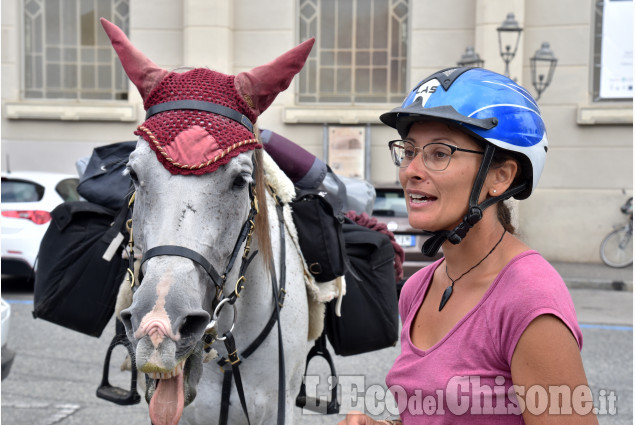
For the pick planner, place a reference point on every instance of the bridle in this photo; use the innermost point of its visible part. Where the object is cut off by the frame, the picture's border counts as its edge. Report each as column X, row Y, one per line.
column 219, row 280
column 220, row 300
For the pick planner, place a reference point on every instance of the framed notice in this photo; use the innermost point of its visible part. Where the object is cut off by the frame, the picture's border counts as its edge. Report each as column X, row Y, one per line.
column 616, row 77
column 347, row 150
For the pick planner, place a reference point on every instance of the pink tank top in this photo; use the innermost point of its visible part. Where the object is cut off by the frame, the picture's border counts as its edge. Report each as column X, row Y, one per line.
column 465, row 378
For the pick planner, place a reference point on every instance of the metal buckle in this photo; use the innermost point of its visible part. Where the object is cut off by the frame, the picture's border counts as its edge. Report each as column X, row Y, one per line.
column 236, row 289
column 130, row 277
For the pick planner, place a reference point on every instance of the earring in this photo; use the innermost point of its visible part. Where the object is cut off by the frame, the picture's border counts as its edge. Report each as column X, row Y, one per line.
column 494, row 190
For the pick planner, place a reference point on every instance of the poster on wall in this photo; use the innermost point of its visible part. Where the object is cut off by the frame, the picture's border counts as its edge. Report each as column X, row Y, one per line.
column 616, row 75
column 347, row 150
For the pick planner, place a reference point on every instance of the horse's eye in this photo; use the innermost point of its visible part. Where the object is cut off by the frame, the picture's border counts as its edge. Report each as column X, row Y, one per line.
column 133, row 176
column 240, row 181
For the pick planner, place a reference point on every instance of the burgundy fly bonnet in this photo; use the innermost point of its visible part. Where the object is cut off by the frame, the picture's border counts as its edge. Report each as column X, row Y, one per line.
column 198, row 120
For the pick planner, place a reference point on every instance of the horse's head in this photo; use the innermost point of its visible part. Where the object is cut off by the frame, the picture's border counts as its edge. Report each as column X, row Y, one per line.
column 193, row 171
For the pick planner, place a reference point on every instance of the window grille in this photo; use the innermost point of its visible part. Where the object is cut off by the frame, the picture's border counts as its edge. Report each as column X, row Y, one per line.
column 67, row 55
column 360, row 55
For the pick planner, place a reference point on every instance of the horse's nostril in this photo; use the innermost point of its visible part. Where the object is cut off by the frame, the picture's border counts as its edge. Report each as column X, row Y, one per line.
column 193, row 325
column 126, row 318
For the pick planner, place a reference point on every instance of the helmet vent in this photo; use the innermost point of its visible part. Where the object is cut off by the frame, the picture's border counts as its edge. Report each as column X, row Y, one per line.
column 448, row 76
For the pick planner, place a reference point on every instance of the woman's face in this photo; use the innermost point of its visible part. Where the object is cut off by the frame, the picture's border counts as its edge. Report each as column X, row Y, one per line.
column 437, row 200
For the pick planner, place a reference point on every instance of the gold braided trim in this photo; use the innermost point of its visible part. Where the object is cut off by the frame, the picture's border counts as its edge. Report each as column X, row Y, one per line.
column 218, row 157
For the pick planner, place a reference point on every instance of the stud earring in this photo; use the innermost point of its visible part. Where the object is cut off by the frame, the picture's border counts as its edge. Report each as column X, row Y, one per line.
column 494, row 190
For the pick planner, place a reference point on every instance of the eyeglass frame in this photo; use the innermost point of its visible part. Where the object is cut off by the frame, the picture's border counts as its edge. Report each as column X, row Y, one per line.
column 453, row 149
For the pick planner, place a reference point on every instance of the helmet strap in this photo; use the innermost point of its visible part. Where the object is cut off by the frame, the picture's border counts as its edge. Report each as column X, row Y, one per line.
column 474, row 211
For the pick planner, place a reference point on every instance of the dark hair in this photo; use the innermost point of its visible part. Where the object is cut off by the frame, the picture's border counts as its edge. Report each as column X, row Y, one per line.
column 505, row 217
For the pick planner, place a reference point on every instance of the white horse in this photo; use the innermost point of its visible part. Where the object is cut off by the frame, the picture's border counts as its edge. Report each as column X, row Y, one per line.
column 189, row 221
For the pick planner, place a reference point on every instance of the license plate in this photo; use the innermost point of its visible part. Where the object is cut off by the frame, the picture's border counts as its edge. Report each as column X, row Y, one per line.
column 405, row 240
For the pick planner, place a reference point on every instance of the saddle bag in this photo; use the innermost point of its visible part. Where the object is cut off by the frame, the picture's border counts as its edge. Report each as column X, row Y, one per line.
column 369, row 318
column 319, row 234
column 103, row 181
column 80, row 266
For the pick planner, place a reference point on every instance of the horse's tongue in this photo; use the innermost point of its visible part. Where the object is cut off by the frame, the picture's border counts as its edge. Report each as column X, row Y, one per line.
column 166, row 405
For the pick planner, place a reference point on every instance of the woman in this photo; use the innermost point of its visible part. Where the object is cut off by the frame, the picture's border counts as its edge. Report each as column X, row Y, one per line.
column 489, row 331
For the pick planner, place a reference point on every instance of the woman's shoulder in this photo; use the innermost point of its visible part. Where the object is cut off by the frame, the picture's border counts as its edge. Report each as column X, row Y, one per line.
column 528, row 285
column 529, row 269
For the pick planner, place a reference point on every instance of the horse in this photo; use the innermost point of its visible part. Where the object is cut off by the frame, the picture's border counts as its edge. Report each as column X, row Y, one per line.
column 220, row 270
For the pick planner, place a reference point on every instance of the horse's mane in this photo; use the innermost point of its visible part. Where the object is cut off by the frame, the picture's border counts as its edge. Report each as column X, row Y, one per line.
column 262, row 218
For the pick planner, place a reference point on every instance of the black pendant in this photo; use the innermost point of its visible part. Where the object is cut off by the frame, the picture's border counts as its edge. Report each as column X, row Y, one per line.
column 446, row 296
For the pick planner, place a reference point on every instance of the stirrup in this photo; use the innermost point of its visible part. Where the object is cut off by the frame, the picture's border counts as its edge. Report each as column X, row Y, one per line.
column 109, row 392
column 333, row 405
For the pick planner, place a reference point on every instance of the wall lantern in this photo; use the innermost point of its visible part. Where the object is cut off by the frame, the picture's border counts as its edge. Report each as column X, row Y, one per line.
column 471, row 59
column 542, row 64
column 508, row 36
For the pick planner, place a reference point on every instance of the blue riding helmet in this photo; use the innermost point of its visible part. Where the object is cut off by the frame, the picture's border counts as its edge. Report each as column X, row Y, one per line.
column 491, row 108
column 486, row 105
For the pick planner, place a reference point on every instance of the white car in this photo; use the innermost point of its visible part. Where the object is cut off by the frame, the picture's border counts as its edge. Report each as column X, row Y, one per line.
column 7, row 353
column 28, row 197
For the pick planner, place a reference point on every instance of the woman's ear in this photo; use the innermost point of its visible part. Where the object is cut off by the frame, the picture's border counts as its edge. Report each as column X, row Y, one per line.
column 501, row 177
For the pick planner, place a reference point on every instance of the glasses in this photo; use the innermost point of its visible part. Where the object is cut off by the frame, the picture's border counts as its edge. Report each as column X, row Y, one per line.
column 435, row 156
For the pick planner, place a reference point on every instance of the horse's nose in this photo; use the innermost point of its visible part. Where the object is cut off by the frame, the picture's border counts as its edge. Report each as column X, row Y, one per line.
column 185, row 326
column 179, row 318
column 169, row 303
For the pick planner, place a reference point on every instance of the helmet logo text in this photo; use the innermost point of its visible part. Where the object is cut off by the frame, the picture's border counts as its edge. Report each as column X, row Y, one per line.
column 426, row 90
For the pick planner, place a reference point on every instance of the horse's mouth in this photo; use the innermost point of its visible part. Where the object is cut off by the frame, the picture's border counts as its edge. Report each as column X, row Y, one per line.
column 168, row 393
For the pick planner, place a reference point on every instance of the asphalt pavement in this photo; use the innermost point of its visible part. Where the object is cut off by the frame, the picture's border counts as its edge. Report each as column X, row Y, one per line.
column 57, row 370
column 595, row 276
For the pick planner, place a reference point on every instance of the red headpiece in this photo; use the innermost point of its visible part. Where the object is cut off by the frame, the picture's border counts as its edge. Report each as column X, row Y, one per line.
column 198, row 120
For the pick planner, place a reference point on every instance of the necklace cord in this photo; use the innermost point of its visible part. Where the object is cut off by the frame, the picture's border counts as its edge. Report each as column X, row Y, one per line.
column 448, row 291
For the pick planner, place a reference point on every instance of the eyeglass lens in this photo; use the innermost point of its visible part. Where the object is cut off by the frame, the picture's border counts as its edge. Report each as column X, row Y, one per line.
column 435, row 156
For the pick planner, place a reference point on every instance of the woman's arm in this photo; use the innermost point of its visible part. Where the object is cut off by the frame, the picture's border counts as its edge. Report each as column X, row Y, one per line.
column 547, row 369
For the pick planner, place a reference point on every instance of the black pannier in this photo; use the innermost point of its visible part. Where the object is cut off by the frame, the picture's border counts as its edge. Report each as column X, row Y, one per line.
column 80, row 266
column 369, row 312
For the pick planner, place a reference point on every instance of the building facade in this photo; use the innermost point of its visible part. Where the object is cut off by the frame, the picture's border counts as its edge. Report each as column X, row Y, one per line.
column 63, row 92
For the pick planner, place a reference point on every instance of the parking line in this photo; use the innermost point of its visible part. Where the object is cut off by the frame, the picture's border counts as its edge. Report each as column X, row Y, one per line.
column 608, row 327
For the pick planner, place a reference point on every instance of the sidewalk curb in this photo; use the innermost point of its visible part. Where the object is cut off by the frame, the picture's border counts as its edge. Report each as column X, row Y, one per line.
column 603, row 284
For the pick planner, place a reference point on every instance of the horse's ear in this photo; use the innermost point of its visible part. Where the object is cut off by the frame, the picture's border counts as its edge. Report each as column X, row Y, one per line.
column 260, row 86
column 144, row 73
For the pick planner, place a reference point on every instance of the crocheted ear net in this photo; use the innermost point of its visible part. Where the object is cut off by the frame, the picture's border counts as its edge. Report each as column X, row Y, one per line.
column 192, row 141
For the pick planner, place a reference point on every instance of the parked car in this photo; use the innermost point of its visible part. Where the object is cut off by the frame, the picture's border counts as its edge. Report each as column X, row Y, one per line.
column 28, row 197
column 7, row 353
column 390, row 208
